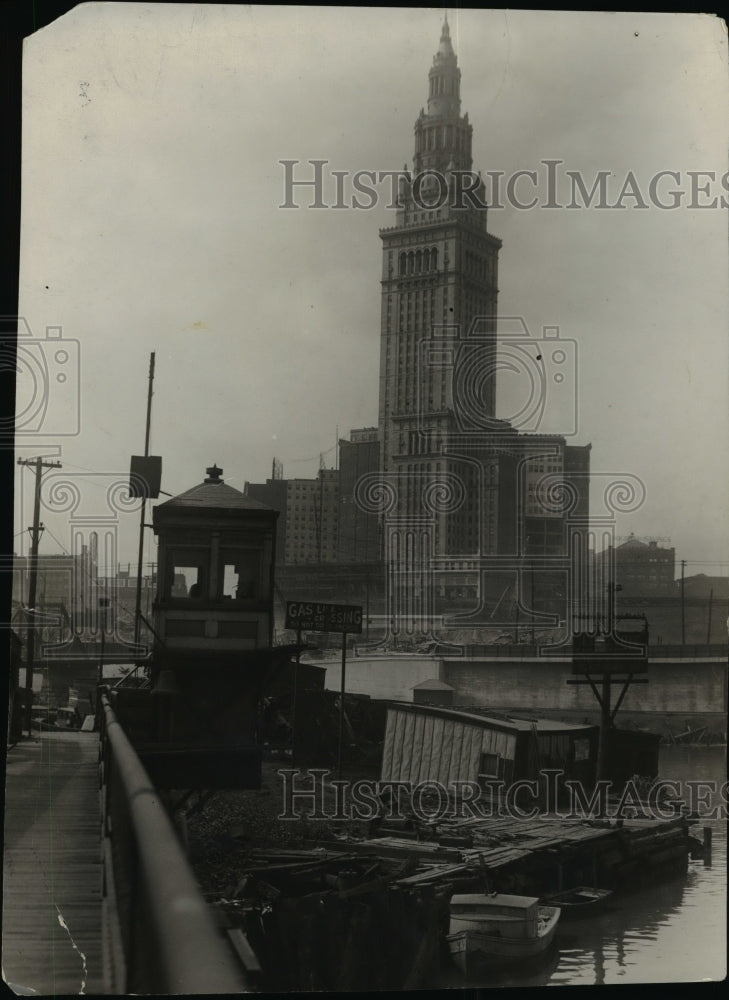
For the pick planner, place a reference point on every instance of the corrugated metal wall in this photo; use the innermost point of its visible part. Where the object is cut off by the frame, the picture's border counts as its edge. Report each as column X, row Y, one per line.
column 554, row 749
column 420, row 747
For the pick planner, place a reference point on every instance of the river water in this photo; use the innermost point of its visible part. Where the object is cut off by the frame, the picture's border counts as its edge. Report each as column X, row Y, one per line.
column 671, row 932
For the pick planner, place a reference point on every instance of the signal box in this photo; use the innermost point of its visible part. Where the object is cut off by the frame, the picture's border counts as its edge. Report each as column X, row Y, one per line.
column 215, row 573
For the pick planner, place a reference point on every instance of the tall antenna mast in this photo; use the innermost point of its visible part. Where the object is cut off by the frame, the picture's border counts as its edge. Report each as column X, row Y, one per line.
column 142, row 511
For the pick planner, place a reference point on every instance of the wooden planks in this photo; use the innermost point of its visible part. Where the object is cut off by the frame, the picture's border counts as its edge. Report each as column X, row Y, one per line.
column 52, row 935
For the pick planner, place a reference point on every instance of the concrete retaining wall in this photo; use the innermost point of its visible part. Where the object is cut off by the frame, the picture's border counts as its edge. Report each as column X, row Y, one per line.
column 387, row 677
column 673, row 686
column 687, row 687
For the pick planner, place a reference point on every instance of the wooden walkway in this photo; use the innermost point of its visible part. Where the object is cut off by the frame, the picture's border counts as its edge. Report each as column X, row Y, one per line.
column 52, row 926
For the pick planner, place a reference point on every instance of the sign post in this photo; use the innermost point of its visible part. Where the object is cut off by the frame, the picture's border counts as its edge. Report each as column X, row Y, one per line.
column 615, row 652
column 341, row 706
column 103, row 605
column 309, row 616
column 293, row 703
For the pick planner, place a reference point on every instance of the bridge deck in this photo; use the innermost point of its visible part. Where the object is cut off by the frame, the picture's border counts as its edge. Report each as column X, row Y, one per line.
column 52, row 927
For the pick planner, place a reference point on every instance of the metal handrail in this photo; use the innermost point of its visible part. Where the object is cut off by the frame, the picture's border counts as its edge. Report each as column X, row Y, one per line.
column 192, row 956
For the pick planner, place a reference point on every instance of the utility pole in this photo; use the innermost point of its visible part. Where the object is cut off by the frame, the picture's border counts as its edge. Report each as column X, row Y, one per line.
column 35, row 533
column 103, row 610
column 341, row 707
column 367, row 606
column 708, row 624
column 319, row 518
column 683, row 606
column 605, row 622
column 531, row 576
column 605, row 719
column 142, row 512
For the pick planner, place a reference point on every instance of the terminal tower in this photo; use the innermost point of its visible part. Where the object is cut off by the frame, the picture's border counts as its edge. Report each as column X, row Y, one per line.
column 458, row 488
column 439, row 302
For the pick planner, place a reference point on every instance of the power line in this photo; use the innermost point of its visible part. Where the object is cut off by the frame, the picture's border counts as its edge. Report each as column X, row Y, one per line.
column 314, row 458
column 95, row 472
column 60, row 544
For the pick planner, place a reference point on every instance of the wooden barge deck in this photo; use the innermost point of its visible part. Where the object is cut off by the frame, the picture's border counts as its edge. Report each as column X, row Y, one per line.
column 329, row 908
column 541, row 854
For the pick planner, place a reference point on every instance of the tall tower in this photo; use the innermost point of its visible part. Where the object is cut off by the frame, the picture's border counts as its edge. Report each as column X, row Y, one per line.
column 439, row 276
column 471, row 505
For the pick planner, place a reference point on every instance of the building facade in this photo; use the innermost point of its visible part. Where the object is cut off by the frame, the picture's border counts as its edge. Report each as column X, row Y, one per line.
column 461, row 486
column 308, row 527
column 67, row 589
column 641, row 569
column 439, row 292
column 359, row 529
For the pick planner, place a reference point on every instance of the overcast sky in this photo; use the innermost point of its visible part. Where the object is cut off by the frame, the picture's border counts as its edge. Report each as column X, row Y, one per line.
column 152, row 136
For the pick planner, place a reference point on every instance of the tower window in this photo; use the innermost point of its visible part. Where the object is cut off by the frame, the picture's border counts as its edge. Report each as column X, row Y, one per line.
column 241, row 574
column 188, row 573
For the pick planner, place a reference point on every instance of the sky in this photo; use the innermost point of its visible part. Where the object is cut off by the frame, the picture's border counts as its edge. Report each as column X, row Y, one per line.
column 151, row 186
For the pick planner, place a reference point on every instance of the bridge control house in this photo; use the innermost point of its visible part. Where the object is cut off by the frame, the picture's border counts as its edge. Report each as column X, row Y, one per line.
column 212, row 657
column 215, row 573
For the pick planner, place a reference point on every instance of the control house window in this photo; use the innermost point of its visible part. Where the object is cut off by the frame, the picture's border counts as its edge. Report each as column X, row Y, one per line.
column 241, row 574
column 188, row 574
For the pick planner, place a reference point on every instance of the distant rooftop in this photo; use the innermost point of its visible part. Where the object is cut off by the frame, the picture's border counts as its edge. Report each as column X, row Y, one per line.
column 433, row 685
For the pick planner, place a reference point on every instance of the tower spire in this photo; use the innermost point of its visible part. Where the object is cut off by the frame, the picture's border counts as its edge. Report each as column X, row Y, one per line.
column 445, row 37
column 442, row 135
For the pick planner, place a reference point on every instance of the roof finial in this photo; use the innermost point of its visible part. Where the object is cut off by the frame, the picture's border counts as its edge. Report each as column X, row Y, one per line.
column 214, row 474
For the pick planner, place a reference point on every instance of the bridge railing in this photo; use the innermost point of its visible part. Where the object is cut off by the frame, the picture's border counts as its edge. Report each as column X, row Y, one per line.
column 164, row 937
column 689, row 651
column 655, row 652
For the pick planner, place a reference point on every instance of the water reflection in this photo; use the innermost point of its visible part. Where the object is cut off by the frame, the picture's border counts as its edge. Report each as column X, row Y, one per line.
column 626, row 929
column 652, row 934
column 534, row 972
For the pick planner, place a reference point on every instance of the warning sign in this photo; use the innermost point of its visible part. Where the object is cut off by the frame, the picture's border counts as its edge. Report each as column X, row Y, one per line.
column 311, row 617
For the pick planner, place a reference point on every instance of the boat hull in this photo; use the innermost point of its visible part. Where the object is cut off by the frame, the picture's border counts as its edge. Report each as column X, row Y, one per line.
column 580, row 903
column 473, row 949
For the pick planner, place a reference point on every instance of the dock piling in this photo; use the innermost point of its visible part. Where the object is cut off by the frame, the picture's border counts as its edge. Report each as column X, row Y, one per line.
column 707, row 846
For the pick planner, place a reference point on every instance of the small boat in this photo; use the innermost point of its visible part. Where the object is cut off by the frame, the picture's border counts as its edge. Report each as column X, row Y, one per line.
column 582, row 901
column 494, row 930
